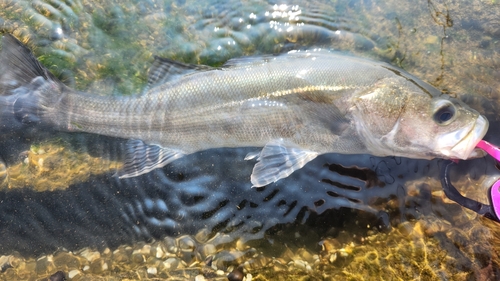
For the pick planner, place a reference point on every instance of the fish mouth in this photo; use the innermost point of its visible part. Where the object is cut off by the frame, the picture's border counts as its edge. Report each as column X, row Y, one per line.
column 466, row 147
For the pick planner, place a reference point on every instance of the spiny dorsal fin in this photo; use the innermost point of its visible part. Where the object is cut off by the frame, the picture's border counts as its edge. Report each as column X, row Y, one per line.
column 249, row 61
column 164, row 70
column 18, row 66
column 261, row 59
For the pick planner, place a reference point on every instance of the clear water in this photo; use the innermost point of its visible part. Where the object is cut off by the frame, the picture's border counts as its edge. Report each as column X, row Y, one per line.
column 374, row 217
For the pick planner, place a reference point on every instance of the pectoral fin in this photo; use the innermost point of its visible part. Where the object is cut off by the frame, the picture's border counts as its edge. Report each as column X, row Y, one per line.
column 142, row 158
column 277, row 161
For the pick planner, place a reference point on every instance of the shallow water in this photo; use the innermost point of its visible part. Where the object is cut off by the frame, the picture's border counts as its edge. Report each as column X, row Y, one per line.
column 339, row 217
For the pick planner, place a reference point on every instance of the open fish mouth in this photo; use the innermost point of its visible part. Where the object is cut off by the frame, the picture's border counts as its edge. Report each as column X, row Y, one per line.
column 466, row 147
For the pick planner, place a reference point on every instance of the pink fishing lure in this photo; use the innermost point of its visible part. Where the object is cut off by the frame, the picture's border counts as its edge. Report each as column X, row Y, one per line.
column 494, row 192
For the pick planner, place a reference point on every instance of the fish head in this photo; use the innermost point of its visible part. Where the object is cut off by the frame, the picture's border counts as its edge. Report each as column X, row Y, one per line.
column 457, row 137
column 409, row 122
column 457, row 129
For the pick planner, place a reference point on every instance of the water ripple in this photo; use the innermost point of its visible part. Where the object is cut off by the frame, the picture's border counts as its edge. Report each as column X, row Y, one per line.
column 105, row 48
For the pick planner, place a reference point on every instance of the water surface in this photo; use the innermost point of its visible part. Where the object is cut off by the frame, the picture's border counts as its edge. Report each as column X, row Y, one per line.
column 340, row 217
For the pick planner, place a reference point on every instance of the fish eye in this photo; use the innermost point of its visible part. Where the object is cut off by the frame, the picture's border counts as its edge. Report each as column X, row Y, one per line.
column 444, row 113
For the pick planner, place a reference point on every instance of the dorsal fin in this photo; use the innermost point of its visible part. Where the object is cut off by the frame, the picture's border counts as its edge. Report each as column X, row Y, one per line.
column 249, row 61
column 164, row 70
column 261, row 59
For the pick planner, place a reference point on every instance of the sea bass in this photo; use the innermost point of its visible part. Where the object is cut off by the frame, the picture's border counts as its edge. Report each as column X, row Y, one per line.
column 296, row 106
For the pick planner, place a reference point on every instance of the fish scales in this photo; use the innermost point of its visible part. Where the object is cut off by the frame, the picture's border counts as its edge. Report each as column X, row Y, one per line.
column 296, row 106
column 244, row 106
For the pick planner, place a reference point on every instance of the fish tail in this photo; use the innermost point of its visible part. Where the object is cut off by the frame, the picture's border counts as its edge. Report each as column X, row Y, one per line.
column 28, row 91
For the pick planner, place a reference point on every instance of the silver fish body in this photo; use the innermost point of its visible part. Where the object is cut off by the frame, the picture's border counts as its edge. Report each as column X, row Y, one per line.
column 292, row 97
column 296, row 106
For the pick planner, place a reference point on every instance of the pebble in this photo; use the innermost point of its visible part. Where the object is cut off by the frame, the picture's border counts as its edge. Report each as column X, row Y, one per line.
column 344, row 252
column 98, row 266
column 5, row 263
column 278, row 266
column 332, row 258
column 137, row 257
column 45, row 265
column 208, row 261
column 305, row 255
column 171, row 263
column 73, row 273
column 161, row 264
column 170, row 245
column 260, row 261
column 186, row 243
column 330, row 245
column 240, row 245
column 152, row 271
column 405, row 228
column 159, row 251
column 207, row 250
column 90, row 255
column 58, row 276
column 203, row 235
column 219, row 239
column 145, row 250
column 64, row 259
column 299, row 264
column 236, row 275
column 199, row 278
column 107, row 252
column 120, row 255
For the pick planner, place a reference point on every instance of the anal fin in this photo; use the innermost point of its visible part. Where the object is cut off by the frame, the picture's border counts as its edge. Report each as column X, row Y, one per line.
column 277, row 161
column 142, row 158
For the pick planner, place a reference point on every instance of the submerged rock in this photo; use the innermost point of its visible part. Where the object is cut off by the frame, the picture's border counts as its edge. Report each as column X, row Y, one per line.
column 58, row 276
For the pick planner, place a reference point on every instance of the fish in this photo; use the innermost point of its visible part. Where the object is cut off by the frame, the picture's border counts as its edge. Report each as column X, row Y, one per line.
column 295, row 106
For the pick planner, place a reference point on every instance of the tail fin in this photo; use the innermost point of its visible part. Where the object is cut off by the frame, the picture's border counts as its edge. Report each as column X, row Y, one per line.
column 26, row 87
